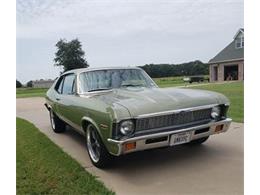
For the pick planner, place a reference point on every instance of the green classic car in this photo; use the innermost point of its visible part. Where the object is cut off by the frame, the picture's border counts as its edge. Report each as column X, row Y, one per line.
column 122, row 110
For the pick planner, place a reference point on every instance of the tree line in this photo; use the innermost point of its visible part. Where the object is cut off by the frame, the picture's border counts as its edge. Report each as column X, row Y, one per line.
column 185, row 69
column 70, row 55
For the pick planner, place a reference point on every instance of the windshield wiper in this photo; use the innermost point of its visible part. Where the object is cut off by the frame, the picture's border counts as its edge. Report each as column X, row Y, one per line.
column 131, row 85
column 99, row 89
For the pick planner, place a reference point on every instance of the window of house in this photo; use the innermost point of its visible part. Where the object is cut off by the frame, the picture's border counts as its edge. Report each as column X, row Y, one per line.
column 239, row 42
column 69, row 84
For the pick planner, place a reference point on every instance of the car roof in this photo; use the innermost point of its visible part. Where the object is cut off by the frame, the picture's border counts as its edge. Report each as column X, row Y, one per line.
column 79, row 70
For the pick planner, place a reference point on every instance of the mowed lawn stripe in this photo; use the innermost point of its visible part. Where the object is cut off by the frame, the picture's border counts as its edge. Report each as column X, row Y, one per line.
column 30, row 92
column 234, row 92
column 43, row 168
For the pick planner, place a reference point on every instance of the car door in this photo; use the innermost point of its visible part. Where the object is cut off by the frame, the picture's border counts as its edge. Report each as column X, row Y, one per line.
column 57, row 96
column 67, row 98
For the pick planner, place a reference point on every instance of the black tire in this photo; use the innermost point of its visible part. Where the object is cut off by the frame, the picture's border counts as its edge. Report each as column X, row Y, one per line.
column 199, row 141
column 97, row 151
column 57, row 125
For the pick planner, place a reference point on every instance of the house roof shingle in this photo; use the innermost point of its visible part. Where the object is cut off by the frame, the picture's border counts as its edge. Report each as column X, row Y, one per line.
column 230, row 52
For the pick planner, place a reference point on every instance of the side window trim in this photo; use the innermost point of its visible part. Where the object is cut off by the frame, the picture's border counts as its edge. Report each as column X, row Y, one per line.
column 73, row 86
column 60, row 84
column 73, row 89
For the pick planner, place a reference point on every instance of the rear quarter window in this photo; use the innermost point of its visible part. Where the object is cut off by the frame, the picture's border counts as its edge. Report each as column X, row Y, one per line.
column 58, row 86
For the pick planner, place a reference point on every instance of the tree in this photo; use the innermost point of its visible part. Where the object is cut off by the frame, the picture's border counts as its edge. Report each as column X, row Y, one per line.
column 70, row 55
column 29, row 84
column 185, row 69
column 18, row 84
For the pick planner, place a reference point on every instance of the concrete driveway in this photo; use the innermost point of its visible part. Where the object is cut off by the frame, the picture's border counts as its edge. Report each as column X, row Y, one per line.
column 213, row 168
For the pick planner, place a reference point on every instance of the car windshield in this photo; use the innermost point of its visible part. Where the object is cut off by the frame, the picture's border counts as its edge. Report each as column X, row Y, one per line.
column 113, row 78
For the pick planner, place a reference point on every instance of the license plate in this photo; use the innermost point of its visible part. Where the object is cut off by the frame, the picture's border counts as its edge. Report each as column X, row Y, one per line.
column 180, row 138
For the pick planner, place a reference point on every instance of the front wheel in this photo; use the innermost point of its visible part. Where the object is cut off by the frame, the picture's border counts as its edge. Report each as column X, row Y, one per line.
column 97, row 151
column 199, row 141
column 57, row 125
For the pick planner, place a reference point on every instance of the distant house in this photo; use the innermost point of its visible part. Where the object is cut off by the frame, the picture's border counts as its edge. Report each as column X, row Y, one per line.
column 42, row 83
column 228, row 64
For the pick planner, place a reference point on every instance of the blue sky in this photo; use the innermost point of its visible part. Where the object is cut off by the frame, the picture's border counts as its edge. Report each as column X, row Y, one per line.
column 123, row 32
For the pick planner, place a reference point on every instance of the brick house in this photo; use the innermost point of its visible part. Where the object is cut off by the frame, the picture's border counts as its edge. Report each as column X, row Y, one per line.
column 228, row 64
column 42, row 83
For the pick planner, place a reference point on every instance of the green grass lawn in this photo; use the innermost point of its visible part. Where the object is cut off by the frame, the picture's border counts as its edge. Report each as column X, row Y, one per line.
column 235, row 93
column 162, row 82
column 173, row 81
column 169, row 81
column 30, row 92
column 43, row 168
column 233, row 90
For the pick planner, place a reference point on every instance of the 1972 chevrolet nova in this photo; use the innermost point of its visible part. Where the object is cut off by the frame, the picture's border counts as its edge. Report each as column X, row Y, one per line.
column 122, row 110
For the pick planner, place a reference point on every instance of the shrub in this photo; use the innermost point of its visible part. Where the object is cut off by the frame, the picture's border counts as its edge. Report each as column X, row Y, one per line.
column 18, row 84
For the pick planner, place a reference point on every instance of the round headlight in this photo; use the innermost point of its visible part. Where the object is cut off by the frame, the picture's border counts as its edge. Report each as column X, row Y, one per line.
column 215, row 113
column 127, row 127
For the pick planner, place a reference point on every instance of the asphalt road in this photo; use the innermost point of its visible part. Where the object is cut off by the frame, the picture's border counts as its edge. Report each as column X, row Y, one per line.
column 216, row 167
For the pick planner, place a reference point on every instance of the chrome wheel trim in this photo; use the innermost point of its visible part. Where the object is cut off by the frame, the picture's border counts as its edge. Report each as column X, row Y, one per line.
column 93, row 144
column 52, row 119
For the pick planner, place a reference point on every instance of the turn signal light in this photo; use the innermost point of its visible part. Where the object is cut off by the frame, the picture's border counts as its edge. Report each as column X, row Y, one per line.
column 219, row 128
column 130, row 146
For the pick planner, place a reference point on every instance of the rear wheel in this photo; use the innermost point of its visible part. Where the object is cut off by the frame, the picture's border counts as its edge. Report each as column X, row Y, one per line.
column 57, row 125
column 97, row 151
column 199, row 141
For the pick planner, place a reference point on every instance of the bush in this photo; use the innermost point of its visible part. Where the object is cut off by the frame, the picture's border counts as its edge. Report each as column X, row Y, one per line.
column 29, row 84
column 18, row 84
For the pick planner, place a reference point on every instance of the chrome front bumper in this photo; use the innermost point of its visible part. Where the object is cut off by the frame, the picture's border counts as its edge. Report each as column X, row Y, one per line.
column 141, row 142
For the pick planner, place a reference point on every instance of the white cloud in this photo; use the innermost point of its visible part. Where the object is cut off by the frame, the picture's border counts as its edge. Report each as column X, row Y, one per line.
column 123, row 32
column 113, row 18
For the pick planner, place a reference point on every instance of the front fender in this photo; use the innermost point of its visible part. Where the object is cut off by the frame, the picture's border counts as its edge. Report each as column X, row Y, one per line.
column 90, row 121
column 110, row 147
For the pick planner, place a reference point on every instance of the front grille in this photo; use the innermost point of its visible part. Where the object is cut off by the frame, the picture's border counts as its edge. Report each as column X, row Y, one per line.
column 176, row 119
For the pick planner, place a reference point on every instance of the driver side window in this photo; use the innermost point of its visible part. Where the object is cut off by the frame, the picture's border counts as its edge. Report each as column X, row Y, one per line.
column 69, row 85
column 58, row 86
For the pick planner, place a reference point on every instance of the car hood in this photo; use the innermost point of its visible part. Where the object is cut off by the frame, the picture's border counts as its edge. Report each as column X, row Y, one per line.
column 140, row 101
